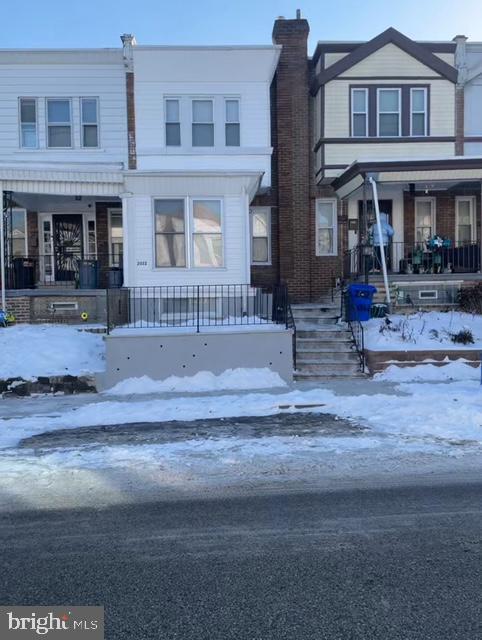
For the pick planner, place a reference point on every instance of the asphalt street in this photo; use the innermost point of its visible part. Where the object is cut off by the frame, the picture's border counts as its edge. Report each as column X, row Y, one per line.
column 389, row 564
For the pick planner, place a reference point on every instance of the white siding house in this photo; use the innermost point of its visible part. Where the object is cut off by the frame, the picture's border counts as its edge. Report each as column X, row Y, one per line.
column 203, row 142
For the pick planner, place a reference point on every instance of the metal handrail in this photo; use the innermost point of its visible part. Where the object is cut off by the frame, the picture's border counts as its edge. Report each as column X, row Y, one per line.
column 356, row 329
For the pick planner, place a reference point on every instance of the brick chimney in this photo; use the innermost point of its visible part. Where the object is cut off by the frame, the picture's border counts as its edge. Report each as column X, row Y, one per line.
column 128, row 43
column 293, row 155
column 461, row 65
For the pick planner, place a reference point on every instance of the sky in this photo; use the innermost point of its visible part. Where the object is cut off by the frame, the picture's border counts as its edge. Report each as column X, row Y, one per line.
column 98, row 23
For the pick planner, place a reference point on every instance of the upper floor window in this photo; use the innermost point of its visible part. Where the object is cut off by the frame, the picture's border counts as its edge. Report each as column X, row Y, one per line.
column 89, row 114
column 418, row 111
column 359, row 112
column 173, row 122
column 232, row 128
column 59, row 123
column 389, row 109
column 202, row 123
column 28, row 123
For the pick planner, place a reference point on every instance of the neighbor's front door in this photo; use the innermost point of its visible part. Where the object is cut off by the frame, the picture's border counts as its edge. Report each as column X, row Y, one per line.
column 68, row 246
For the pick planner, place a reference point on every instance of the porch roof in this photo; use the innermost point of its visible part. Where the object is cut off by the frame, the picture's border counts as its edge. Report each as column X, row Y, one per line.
column 409, row 170
column 63, row 179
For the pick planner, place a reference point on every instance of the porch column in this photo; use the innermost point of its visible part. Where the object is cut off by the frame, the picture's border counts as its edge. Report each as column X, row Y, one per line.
column 126, row 238
column 2, row 251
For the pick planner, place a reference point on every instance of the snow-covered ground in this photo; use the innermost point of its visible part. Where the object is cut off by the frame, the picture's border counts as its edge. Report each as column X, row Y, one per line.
column 423, row 330
column 28, row 351
column 452, row 371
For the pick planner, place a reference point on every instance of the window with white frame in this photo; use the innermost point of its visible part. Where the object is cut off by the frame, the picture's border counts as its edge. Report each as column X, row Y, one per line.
column 59, row 123
column 465, row 219
column 207, row 236
column 232, row 127
column 116, row 238
column 424, row 219
column 260, row 235
column 326, row 228
column 17, row 233
column 89, row 116
column 173, row 122
column 170, row 232
column 388, row 112
column 28, row 123
column 418, row 111
column 359, row 112
column 202, row 123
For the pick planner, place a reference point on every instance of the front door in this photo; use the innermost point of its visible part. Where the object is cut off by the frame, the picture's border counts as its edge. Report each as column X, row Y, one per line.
column 68, row 246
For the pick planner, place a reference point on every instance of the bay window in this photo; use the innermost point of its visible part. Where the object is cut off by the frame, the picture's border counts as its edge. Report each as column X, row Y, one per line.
column 326, row 228
column 260, row 235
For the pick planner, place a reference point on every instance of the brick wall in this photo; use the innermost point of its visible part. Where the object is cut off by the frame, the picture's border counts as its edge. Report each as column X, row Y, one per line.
column 459, row 120
column 131, row 120
column 20, row 308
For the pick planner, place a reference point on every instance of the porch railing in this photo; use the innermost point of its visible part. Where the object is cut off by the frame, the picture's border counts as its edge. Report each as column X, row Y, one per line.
column 198, row 306
column 414, row 258
column 64, row 269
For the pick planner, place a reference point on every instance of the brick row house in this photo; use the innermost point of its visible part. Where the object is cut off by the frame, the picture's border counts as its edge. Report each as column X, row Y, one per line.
column 195, row 166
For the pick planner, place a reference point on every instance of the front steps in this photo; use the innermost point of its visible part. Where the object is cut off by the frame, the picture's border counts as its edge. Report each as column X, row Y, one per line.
column 324, row 348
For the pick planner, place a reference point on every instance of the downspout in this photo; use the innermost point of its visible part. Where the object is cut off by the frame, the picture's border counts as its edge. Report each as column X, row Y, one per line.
column 380, row 237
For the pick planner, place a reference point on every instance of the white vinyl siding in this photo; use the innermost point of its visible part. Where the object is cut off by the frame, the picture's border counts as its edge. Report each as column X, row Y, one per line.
column 28, row 123
column 326, row 227
column 465, row 230
column 389, row 108
column 418, row 111
column 359, row 113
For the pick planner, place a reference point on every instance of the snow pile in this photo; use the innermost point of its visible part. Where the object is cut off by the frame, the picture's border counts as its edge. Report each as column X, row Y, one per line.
column 238, row 379
column 426, row 330
column 29, row 351
column 456, row 370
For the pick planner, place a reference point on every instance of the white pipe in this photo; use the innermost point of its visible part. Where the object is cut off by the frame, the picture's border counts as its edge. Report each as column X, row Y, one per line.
column 380, row 238
column 2, row 251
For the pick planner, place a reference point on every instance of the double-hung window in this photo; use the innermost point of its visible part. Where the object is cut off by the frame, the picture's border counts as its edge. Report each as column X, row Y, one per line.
column 424, row 219
column 59, row 123
column 207, row 237
column 465, row 217
column 260, row 235
column 232, row 128
column 170, row 232
column 388, row 112
column 418, row 111
column 89, row 114
column 202, row 123
column 359, row 112
column 17, row 233
column 326, row 228
column 28, row 123
column 173, row 122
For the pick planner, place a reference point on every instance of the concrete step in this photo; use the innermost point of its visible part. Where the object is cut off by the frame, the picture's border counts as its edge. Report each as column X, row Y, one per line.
column 315, row 321
column 304, row 311
column 327, row 368
column 325, row 357
column 307, row 376
column 325, row 333
column 324, row 346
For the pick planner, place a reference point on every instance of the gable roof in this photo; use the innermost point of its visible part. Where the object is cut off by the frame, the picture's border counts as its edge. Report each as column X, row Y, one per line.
column 389, row 36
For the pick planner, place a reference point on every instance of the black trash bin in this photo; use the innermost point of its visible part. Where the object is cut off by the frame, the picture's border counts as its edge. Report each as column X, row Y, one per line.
column 23, row 273
column 115, row 278
column 88, row 274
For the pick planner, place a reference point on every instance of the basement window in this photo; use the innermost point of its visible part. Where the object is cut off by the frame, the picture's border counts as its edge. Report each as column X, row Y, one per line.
column 429, row 294
column 63, row 306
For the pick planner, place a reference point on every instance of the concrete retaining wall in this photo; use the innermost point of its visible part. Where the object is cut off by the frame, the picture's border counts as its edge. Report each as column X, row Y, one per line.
column 161, row 355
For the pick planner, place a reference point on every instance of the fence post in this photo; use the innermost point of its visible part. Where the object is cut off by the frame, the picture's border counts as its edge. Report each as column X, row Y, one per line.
column 197, row 311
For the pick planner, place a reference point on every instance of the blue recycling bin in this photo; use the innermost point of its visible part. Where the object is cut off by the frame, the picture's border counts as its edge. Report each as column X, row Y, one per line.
column 359, row 301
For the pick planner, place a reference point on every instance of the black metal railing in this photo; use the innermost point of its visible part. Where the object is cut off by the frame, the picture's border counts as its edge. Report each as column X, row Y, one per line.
column 64, row 269
column 414, row 258
column 198, row 306
column 348, row 313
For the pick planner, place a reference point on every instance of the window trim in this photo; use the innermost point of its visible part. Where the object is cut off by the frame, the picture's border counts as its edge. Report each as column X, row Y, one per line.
column 237, row 99
column 97, row 123
column 399, row 112
column 251, row 236
column 20, row 123
column 473, row 227
column 433, row 200
column 425, row 112
column 334, row 203
column 212, row 100
column 192, row 233
column 179, row 101
column 58, row 124
column 353, row 112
